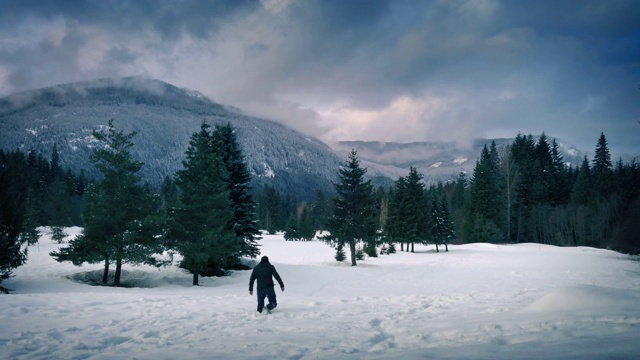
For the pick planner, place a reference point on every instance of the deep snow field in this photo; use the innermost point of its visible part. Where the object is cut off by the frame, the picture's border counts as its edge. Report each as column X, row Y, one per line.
column 478, row 301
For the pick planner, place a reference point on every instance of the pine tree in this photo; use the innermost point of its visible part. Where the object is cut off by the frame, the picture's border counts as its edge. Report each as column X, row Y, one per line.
column 408, row 220
column 122, row 222
column 442, row 226
column 485, row 203
column 559, row 190
column 522, row 153
column 400, row 221
column 238, row 184
column 291, row 232
column 92, row 245
column 601, row 170
column 448, row 228
column 306, row 226
column 383, row 200
column 583, row 186
column 58, row 208
column 542, row 163
column 510, row 179
column 321, row 211
column 30, row 233
column 56, row 170
column 353, row 219
column 270, row 209
column 199, row 223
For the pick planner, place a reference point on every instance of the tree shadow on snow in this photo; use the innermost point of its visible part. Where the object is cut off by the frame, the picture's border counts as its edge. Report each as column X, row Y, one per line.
column 128, row 279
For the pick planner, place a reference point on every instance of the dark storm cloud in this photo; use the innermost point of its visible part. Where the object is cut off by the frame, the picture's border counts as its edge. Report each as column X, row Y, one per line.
column 169, row 19
column 374, row 70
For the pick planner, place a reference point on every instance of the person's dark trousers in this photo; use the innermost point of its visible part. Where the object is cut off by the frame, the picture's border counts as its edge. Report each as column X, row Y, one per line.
column 269, row 293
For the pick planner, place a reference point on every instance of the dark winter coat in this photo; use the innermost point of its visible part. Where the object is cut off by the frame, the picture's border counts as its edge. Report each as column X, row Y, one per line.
column 264, row 272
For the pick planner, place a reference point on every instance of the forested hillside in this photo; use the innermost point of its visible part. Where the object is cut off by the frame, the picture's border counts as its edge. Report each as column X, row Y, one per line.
column 164, row 117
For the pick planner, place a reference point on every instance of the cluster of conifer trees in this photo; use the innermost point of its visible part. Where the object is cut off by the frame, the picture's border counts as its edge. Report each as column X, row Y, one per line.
column 34, row 192
column 368, row 222
column 206, row 215
column 522, row 192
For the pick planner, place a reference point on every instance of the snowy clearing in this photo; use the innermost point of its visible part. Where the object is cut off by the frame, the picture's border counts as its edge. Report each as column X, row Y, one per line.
column 478, row 301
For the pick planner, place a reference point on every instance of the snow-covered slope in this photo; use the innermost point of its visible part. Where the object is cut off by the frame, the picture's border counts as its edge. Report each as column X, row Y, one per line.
column 164, row 117
column 477, row 301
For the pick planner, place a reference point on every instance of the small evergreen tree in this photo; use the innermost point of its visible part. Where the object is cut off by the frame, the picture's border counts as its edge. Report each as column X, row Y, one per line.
column 291, row 232
column 306, row 226
column 353, row 220
column 443, row 227
column 340, row 255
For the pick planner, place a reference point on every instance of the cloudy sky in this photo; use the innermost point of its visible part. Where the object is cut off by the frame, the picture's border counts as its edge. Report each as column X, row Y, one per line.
column 396, row 70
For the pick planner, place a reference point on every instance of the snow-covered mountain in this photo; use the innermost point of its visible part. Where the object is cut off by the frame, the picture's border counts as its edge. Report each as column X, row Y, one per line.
column 164, row 117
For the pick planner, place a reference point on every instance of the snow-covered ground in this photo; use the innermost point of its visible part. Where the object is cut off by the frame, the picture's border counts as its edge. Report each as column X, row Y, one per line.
column 477, row 301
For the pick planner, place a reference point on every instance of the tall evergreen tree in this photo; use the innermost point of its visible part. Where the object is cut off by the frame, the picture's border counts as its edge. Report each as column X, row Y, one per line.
column 602, row 168
column 485, row 203
column 238, row 185
column 510, row 180
column 199, row 223
column 522, row 151
column 461, row 207
column 543, row 163
column 559, row 190
column 409, row 220
column 353, row 219
column 582, row 192
column 122, row 220
column 400, row 227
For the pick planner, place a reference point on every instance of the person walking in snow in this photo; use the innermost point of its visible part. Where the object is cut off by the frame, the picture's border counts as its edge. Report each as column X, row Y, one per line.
column 264, row 272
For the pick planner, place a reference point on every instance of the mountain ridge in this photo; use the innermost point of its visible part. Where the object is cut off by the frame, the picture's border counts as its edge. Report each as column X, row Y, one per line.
column 437, row 161
column 165, row 116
